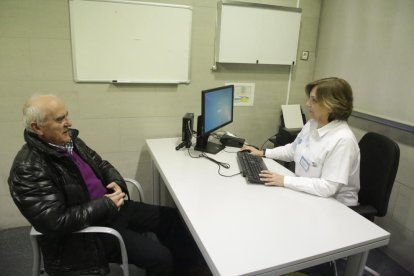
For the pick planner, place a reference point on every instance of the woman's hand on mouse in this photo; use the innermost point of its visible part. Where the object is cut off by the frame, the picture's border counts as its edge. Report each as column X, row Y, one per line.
column 252, row 150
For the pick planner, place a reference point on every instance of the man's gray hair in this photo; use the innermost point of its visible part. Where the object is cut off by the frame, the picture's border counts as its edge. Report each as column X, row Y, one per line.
column 32, row 113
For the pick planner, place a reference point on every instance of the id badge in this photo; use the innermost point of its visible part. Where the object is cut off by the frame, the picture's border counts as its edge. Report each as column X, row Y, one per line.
column 304, row 164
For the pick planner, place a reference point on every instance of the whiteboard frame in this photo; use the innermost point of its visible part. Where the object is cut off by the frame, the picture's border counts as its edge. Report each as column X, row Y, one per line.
column 219, row 41
column 174, row 76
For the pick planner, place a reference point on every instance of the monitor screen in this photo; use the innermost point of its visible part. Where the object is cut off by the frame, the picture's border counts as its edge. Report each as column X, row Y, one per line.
column 217, row 108
column 216, row 112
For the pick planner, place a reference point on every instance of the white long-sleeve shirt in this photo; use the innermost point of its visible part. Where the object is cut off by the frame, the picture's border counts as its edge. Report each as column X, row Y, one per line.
column 326, row 161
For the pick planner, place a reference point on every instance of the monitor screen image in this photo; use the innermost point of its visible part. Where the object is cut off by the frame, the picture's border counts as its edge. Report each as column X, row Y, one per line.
column 217, row 108
column 216, row 112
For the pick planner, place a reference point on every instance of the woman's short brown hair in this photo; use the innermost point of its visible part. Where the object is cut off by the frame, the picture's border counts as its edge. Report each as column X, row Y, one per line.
column 335, row 94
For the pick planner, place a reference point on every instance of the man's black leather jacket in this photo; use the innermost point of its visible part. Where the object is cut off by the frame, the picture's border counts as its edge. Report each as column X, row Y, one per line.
column 50, row 192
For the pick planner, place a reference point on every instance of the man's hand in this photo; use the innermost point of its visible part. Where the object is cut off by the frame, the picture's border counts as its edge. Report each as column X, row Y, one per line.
column 117, row 196
column 272, row 178
column 113, row 186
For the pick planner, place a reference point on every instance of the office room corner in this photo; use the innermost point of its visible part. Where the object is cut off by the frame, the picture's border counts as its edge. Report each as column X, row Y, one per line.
column 117, row 119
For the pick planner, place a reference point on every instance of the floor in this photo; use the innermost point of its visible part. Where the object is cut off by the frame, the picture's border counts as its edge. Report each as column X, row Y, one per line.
column 16, row 258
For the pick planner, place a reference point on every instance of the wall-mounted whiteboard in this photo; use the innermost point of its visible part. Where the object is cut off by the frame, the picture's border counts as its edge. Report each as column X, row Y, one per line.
column 127, row 41
column 257, row 33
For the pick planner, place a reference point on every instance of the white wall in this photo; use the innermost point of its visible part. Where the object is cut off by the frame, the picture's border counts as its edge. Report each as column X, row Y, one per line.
column 382, row 32
column 333, row 48
column 35, row 57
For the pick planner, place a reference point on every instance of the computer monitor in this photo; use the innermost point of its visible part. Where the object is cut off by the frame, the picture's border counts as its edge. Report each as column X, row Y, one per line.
column 216, row 112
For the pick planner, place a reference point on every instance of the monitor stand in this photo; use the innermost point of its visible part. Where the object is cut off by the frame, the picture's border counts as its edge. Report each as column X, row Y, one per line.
column 212, row 148
column 204, row 145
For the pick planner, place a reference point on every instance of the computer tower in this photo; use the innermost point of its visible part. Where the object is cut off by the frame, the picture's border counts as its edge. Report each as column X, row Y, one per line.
column 187, row 129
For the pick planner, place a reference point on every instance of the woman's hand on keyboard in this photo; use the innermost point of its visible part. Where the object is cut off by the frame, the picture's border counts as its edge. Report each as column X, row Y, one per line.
column 272, row 178
column 252, row 150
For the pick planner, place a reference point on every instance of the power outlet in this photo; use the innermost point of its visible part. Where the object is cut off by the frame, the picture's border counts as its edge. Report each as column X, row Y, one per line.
column 305, row 55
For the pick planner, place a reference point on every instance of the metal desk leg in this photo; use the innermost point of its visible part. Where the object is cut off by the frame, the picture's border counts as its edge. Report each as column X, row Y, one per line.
column 356, row 263
column 156, row 185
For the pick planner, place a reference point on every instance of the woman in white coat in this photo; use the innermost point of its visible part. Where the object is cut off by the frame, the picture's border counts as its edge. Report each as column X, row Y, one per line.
column 325, row 152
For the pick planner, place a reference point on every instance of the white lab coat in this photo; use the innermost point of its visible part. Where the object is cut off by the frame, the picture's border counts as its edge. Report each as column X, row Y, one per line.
column 326, row 161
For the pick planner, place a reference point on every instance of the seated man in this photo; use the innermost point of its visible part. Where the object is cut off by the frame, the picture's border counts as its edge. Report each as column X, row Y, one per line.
column 61, row 185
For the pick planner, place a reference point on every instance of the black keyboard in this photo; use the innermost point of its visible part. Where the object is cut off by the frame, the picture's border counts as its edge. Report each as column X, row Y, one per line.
column 250, row 166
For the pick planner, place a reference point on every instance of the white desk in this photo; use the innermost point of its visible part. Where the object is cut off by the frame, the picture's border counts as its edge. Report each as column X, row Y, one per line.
column 248, row 229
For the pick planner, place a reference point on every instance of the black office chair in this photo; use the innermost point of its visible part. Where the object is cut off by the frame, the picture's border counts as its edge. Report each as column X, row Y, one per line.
column 380, row 157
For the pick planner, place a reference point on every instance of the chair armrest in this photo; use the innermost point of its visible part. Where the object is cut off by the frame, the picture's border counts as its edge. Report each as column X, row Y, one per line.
column 366, row 211
column 138, row 186
column 91, row 229
column 113, row 232
column 34, row 232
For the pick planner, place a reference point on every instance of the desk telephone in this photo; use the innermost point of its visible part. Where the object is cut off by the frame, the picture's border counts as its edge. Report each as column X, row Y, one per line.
column 231, row 141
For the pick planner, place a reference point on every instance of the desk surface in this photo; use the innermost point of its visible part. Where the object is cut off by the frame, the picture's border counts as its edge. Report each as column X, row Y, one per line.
column 246, row 228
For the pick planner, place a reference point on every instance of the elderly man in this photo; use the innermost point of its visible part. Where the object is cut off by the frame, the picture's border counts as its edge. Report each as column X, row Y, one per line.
column 61, row 185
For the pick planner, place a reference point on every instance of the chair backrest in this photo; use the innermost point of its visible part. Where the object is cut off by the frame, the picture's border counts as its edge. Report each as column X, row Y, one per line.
column 379, row 164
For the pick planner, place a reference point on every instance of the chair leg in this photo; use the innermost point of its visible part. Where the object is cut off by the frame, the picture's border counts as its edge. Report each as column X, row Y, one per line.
column 335, row 268
column 371, row 271
column 36, row 256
